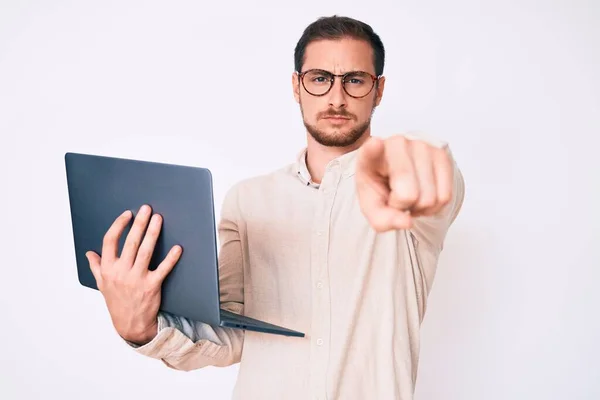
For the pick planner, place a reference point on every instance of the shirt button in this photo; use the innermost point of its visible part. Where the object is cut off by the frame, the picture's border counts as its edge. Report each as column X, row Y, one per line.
column 319, row 233
column 319, row 342
column 320, row 285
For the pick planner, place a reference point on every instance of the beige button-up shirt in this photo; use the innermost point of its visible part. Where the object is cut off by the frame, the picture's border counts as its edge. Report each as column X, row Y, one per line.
column 303, row 256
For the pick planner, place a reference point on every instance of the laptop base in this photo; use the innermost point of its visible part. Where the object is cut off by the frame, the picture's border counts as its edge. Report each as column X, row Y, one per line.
column 233, row 320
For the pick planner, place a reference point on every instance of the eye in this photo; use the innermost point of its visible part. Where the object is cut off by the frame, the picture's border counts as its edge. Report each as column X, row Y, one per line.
column 317, row 78
column 355, row 79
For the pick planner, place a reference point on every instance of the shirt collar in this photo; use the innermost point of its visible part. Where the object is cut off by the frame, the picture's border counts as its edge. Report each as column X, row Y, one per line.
column 346, row 162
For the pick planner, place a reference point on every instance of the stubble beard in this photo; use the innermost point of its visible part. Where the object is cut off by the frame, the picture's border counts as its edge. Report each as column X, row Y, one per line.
column 339, row 137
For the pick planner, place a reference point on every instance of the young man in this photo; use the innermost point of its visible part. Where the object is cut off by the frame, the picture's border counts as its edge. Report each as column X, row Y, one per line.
column 342, row 244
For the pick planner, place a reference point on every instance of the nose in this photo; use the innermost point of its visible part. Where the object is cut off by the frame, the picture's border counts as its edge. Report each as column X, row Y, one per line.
column 337, row 95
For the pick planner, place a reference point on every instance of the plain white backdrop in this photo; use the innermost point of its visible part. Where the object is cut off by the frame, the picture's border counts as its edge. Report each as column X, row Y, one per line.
column 514, row 86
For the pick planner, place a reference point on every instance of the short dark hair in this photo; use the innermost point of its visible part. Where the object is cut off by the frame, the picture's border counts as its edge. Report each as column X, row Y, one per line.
column 337, row 27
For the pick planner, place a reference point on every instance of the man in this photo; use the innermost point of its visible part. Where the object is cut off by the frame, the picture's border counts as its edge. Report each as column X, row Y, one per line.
column 342, row 244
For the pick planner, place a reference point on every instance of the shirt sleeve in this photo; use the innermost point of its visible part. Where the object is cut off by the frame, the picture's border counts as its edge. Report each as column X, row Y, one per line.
column 186, row 345
column 429, row 232
column 432, row 230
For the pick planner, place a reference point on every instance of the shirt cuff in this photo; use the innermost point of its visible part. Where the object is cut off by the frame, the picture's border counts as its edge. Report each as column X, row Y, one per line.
column 162, row 323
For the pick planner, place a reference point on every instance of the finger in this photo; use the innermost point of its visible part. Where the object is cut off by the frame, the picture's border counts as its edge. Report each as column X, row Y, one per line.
column 134, row 238
column 444, row 177
column 95, row 261
column 167, row 265
column 403, row 181
column 387, row 218
column 371, row 160
column 110, row 243
column 423, row 160
column 373, row 202
column 146, row 250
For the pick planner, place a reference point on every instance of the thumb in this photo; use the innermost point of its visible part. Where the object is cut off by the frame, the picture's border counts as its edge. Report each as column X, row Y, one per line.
column 388, row 218
column 94, row 261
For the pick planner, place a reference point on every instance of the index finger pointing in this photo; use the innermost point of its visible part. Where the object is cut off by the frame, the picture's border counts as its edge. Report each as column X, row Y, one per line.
column 371, row 158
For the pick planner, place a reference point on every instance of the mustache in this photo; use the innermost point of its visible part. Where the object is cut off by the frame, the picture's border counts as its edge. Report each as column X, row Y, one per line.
column 340, row 113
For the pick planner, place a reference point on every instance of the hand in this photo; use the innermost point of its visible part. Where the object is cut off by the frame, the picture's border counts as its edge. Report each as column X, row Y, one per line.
column 398, row 179
column 132, row 292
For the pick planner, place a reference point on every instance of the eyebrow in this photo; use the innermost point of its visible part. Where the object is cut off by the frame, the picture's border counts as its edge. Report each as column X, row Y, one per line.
column 354, row 71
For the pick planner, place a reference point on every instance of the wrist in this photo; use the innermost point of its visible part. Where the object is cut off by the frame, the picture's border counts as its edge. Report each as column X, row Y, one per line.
column 143, row 337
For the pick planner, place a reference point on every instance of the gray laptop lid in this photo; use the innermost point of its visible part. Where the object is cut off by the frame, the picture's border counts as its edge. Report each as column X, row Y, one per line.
column 101, row 188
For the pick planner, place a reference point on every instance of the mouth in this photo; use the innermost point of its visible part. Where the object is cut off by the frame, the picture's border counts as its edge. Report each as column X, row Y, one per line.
column 336, row 118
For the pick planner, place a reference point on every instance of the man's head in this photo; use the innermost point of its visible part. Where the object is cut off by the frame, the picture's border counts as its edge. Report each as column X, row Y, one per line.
column 338, row 114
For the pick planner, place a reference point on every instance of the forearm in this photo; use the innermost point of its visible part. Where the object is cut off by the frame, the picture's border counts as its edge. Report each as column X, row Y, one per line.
column 187, row 345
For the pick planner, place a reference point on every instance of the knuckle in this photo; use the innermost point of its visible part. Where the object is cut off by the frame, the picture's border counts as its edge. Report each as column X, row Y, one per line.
column 444, row 198
column 406, row 196
column 421, row 144
column 399, row 140
column 405, row 181
column 121, row 281
column 427, row 200
column 442, row 153
column 107, row 277
column 109, row 237
column 154, row 282
column 144, row 252
column 133, row 243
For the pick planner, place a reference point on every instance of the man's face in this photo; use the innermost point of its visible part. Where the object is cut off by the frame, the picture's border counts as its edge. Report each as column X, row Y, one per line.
column 337, row 119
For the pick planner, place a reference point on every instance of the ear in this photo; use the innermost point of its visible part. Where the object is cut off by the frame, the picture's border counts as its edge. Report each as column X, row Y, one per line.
column 380, row 86
column 296, row 86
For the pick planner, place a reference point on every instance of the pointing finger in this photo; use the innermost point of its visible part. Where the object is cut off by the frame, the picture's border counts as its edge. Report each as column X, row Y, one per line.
column 373, row 196
column 371, row 160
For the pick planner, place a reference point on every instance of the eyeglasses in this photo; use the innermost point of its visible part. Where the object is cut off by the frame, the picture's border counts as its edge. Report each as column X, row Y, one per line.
column 356, row 84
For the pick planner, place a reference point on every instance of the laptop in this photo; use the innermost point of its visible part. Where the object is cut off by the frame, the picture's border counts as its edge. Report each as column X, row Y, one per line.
column 100, row 188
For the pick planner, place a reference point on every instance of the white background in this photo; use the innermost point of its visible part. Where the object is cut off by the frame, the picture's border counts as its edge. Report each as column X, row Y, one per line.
column 513, row 86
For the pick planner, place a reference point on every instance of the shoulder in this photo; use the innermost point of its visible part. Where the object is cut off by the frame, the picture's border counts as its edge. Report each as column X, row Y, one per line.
column 259, row 187
column 267, row 181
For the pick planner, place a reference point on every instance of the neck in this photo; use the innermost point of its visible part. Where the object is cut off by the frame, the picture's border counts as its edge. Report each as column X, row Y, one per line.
column 318, row 156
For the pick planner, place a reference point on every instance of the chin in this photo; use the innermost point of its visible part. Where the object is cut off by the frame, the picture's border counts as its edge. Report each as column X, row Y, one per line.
column 337, row 137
